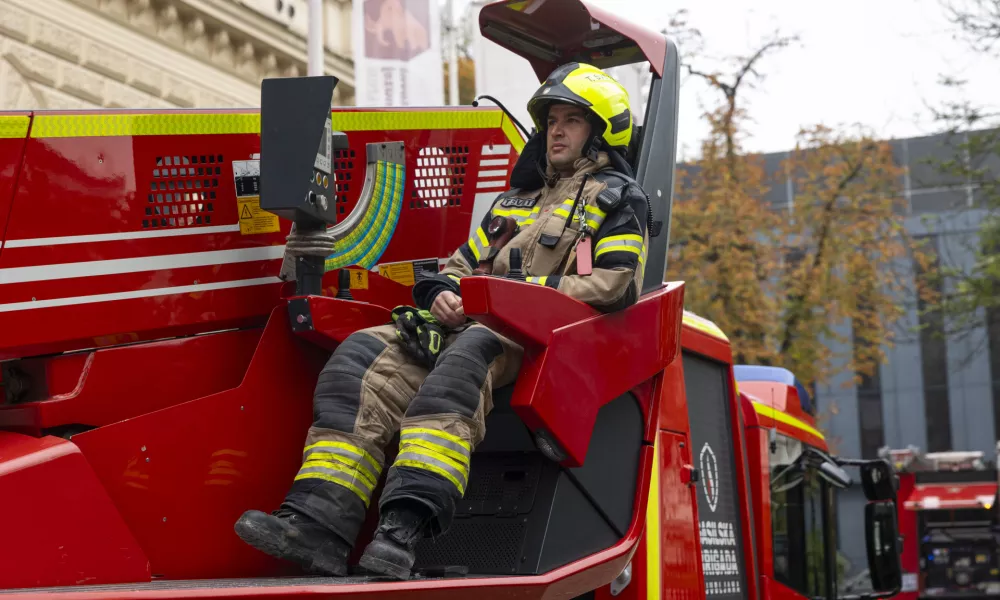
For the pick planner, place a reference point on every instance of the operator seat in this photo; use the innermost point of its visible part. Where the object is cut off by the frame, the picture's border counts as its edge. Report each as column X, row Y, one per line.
column 524, row 514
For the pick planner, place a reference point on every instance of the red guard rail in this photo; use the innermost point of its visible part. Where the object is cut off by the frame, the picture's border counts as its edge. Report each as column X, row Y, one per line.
column 576, row 360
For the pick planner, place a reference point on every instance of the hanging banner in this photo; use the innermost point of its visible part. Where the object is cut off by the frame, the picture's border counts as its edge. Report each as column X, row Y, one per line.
column 397, row 53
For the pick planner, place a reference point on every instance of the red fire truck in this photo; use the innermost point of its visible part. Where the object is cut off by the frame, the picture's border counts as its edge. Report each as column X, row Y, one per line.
column 158, row 374
column 948, row 523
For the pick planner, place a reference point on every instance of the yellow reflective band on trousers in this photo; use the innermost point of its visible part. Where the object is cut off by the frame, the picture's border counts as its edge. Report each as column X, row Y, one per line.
column 478, row 243
column 620, row 243
column 343, row 464
column 435, row 451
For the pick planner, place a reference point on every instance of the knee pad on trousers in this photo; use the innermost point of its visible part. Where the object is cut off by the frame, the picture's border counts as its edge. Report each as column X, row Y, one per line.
column 455, row 383
column 338, row 390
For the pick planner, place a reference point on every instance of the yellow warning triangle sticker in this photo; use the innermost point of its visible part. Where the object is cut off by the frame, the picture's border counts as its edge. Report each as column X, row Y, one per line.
column 246, row 213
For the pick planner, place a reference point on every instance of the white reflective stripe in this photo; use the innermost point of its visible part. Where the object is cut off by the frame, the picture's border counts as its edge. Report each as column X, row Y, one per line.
column 497, row 149
column 494, row 162
column 491, row 184
column 121, row 266
column 125, row 235
column 437, row 440
column 338, row 469
column 497, row 173
column 150, row 293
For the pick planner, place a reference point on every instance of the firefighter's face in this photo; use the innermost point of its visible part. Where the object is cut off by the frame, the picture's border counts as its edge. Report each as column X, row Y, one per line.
column 568, row 131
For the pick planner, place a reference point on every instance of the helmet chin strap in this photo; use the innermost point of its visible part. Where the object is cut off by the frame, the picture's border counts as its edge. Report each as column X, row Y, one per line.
column 596, row 141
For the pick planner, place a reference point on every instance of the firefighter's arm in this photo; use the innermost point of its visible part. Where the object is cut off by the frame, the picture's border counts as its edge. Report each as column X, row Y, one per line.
column 460, row 264
column 619, row 249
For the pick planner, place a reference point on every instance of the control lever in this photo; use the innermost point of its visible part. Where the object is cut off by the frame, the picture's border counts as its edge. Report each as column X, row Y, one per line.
column 344, row 285
column 515, row 265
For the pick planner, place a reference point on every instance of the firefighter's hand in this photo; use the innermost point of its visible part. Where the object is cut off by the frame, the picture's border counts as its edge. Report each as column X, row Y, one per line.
column 448, row 309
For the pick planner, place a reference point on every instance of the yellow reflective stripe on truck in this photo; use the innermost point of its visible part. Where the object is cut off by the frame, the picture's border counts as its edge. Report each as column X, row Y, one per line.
column 216, row 123
column 14, row 126
column 653, row 560
column 703, row 325
column 767, row 411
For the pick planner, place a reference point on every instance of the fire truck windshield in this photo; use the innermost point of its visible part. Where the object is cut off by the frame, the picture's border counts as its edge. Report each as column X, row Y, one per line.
column 803, row 519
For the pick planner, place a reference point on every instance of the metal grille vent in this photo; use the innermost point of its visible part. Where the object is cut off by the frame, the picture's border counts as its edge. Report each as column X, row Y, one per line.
column 482, row 546
column 439, row 177
column 343, row 167
column 500, row 484
column 182, row 191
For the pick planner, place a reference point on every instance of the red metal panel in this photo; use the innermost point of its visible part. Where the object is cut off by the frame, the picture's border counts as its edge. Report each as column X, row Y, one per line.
column 591, row 361
column 758, row 451
column 909, row 558
column 11, row 159
column 680, row 545
column 706, row 345
column 566, row 29
column 763, row 419
column 183, row 475
column 775, row 590
column 569, row 581
column 950, row 496
column 673, row 399
column 60, row 527
column 107, row 186
column 89, row 388
column 743, row 477
column 783, row 398
column 334, row 319
column 85, row 325
column 500, row 305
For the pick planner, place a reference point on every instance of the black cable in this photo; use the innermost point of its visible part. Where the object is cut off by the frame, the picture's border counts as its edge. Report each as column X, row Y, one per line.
column 504, row 109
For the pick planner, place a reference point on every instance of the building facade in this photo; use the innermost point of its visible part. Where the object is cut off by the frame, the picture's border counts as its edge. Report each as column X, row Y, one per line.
column 81, row 54
column 934, row 392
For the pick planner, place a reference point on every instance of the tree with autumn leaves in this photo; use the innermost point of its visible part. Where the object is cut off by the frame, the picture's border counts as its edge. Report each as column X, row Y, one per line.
column 784, row 281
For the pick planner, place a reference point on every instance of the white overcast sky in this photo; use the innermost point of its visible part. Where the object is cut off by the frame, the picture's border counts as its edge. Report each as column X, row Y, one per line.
column 873, row 62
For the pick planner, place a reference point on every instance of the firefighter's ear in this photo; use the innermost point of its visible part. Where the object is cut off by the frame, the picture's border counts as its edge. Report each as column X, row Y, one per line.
column 530, row 166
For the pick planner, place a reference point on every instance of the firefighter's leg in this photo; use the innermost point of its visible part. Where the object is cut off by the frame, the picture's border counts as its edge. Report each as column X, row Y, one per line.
column 442, row 426
column 360, row 399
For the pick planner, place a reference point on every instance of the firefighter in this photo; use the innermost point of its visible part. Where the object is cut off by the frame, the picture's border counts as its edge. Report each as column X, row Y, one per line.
column 581, row 227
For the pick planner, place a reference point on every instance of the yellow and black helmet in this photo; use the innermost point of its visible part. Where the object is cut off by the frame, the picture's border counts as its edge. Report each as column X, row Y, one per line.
column 591, row 88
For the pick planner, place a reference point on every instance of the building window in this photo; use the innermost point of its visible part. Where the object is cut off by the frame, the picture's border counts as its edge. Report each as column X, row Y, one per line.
column 934, row 363
column 869, row 406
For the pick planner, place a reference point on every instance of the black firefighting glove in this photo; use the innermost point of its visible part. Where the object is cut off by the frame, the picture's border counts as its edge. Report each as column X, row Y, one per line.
column 420, row 333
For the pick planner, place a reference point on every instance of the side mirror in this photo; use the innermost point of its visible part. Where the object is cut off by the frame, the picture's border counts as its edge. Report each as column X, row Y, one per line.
column 882, row 542
column 879, row 481
column 834, row 475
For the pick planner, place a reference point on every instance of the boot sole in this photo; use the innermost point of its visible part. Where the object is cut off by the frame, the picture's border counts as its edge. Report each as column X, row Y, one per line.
column 273, row 544
column 382, row 566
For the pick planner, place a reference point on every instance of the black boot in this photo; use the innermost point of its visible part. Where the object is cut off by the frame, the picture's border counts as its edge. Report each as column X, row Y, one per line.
column 290, row 535
column 400, row 528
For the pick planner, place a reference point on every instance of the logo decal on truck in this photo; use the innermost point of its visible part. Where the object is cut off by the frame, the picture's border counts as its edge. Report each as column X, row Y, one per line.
column 710, row 476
